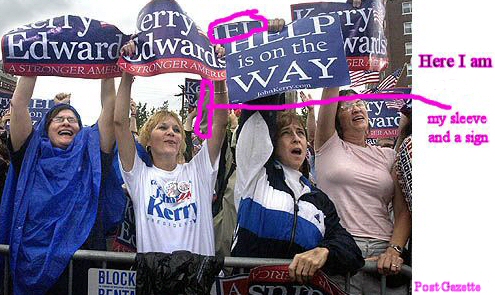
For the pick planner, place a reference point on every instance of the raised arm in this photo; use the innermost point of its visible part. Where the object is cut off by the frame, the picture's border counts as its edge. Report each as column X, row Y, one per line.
column 105, row 121
column 125, row 140
column 219, row 121
column 325, row 127
column 220, row 117
column 133, row 118
column 20, row 121
column 404, row 130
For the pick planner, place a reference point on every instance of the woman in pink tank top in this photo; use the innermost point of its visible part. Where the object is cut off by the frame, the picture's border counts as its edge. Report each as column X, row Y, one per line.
column 357, row 178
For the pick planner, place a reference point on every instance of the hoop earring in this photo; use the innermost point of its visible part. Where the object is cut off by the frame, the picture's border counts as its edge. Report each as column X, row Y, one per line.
column 148, row 149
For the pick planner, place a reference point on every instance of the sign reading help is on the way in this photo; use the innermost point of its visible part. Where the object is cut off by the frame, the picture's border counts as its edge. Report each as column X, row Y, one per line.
column 111, row 281
column 307, row 53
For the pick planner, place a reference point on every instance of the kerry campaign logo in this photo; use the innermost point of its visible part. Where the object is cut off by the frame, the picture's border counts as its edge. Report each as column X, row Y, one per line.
column 173, row 201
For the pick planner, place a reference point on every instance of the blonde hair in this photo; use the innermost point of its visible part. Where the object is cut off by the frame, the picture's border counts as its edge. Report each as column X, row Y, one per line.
column 153, row 121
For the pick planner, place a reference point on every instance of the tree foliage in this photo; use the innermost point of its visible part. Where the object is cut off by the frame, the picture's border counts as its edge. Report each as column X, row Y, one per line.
column 143, row 113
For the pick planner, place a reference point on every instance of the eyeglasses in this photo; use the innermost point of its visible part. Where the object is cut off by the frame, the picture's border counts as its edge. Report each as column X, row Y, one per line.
column 60, row 119
column 345, row 106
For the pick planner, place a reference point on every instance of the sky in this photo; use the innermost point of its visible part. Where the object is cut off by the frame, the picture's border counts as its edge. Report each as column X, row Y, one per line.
column 152, row 90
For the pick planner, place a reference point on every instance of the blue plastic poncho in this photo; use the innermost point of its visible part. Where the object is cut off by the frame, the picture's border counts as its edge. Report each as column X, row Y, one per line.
column 47, row 212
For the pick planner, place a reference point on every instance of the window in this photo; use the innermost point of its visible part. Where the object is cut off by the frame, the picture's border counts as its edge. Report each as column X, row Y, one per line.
column 408, row 47
column 406, row 8
column 409, row 70
column 407, row 28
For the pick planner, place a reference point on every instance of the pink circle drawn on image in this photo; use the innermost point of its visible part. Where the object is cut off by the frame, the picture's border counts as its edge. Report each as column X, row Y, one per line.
column 211, row 106
column 252, row 13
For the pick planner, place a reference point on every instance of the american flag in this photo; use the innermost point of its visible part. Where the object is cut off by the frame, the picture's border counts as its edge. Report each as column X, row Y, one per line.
column 389, row 82
column 394, row 104
column 379, row 16
column 362, row 77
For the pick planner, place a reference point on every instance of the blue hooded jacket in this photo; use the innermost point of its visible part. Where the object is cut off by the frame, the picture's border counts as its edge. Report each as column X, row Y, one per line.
column 49, row 209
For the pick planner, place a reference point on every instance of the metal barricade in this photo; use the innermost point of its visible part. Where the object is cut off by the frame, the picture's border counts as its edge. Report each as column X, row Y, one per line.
column 109, row 256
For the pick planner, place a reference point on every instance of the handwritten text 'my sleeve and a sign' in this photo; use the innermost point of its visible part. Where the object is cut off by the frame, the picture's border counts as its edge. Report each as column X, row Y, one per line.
column 476, row 121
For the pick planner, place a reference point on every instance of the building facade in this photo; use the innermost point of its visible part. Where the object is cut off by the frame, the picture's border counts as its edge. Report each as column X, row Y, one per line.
column 7, row 81
column 399, row 37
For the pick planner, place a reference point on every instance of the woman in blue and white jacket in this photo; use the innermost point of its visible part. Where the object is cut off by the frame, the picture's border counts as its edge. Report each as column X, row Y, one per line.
column 280, row 214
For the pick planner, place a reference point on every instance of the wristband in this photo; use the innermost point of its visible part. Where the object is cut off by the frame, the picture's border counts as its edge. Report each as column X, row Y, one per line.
column 396, row 248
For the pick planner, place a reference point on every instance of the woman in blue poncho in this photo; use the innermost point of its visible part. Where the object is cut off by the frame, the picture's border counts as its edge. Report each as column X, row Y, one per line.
column 54, row 201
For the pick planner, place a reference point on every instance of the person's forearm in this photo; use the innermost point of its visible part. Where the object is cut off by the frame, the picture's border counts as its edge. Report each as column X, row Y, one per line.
column 105, row 124
column 20, row 120
column 125, row 140
column 402, row 228
column 311, row 124
column 23, row 92
column 133, row 124
column 402, row 216
column 219, row 124
column 107, row 101
column 325, row 127
column 188, row 125
column 221, row 115
column 121, row 116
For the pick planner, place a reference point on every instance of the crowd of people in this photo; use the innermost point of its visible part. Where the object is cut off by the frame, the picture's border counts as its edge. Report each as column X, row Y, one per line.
column 266, row 184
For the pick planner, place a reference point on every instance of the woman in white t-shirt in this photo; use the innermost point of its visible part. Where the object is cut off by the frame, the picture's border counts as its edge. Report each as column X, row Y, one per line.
column 172, row 201
column 358, row 178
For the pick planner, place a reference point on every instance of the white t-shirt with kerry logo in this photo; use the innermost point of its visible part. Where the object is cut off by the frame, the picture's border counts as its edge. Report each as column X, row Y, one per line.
column 173, row 209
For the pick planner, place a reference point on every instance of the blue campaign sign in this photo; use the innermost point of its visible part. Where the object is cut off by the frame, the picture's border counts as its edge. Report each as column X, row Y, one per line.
column 169, row 41
column 363, row 30
column 191, row 90
column 384, row 115
column 307, row 53
column 230, row 30
column 125, row 238
column 5, row 98
column 38, row 108
column 67, row 46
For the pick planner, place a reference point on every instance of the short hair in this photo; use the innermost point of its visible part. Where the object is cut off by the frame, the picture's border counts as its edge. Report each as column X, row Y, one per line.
column 153, row 121
column 285, row 118
column 347, row 92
